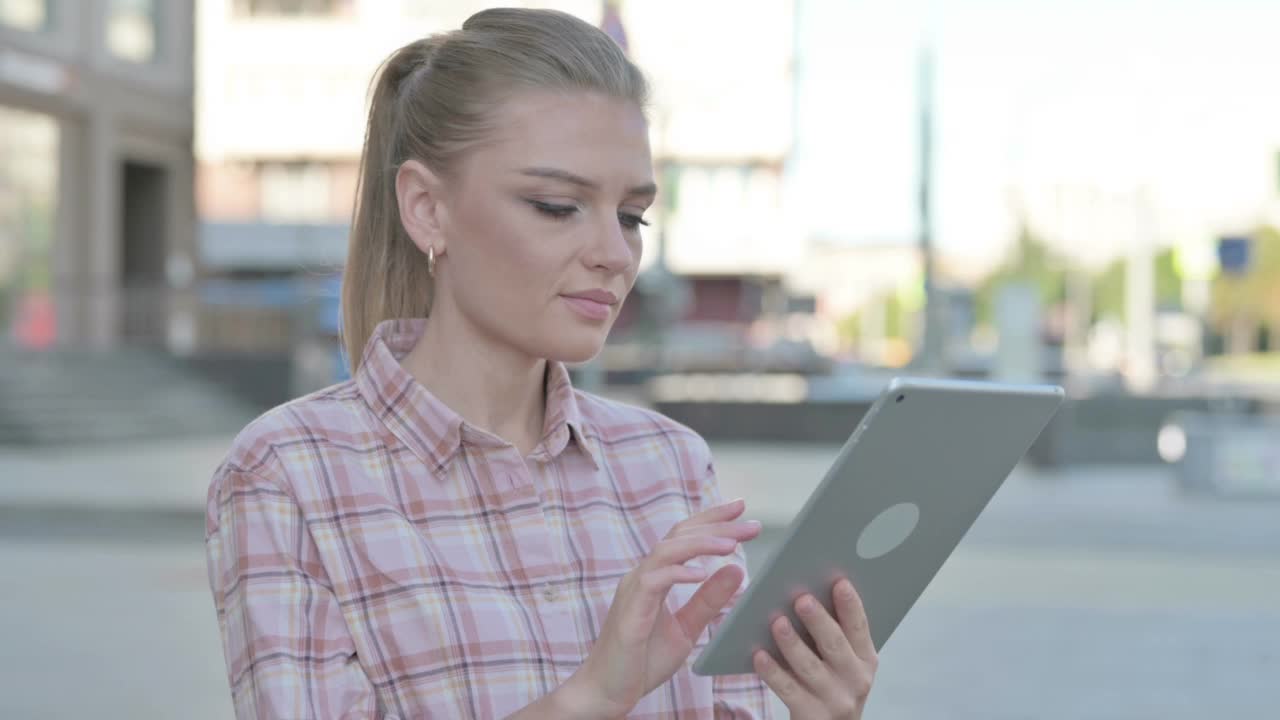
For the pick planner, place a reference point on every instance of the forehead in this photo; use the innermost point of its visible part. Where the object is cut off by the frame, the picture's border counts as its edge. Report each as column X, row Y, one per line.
column 603, row 138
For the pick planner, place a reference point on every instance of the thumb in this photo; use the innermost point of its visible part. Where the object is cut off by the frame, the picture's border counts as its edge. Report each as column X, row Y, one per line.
column 709, row 600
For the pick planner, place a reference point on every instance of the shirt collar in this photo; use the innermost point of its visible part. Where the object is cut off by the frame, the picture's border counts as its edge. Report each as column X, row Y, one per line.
column 564, row 419
column 431, row 429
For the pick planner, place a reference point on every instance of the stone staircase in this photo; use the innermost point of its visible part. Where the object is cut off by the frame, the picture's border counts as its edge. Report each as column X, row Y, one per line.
column 69, row 397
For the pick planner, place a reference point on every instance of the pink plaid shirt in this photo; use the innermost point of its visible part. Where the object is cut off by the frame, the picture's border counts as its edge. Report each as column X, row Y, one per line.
column 372, row 554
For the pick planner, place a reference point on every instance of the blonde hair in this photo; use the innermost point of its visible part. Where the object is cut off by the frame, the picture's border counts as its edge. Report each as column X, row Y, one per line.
column 431, row 100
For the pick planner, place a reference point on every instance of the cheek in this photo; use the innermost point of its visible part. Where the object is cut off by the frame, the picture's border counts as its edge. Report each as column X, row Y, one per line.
column 496, row 239
column 508, row 265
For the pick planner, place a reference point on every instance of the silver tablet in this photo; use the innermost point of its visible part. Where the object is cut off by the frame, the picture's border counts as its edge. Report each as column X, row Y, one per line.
column 905, row 488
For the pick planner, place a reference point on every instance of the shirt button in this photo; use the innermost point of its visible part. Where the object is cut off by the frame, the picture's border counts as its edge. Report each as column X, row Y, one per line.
column 549, row 594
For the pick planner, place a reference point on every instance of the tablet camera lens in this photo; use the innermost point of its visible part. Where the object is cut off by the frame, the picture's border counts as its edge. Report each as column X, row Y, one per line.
column 901, row 398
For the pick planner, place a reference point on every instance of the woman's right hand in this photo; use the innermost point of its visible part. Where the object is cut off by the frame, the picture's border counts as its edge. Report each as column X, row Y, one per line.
column 642, row 644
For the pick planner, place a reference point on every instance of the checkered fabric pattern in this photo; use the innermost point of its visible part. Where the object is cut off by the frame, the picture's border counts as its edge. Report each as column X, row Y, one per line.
column 371, row 554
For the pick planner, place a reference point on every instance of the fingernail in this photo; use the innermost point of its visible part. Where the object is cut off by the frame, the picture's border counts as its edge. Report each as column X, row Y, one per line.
column 753, row 525
column 784, row 628
column 763, row 658
column 845, row 590
column 806, row 605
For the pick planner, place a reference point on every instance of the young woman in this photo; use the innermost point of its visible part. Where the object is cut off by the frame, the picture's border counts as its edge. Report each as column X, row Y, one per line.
column 457, row 532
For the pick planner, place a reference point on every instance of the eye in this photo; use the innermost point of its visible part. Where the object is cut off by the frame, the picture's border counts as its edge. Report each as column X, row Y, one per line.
column 553, row 210
column 631, row 222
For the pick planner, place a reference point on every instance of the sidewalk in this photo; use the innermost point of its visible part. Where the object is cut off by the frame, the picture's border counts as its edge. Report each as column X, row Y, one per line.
column 173, row 476
column 1077, row 560
column 169, row 477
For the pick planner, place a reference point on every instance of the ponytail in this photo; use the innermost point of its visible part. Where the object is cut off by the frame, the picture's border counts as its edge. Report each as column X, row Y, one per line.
column 384, row 276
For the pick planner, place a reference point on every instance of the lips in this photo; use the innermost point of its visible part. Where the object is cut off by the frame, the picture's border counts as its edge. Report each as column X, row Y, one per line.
column 594, row 305
column 604, row 297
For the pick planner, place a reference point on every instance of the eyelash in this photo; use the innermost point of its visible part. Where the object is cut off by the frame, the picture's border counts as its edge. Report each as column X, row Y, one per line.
column 560, row 212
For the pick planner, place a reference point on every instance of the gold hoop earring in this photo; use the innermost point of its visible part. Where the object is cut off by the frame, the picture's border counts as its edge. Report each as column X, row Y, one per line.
column 431, row 260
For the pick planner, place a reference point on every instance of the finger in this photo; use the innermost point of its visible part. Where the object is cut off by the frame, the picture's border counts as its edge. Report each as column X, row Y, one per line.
column 806, row 666
column 709, row 600
column 677, row 551
column 853, row 619
column 795, row 696
column 740, row 530
column 832, row 644
column 718, row 513
column 657, row 583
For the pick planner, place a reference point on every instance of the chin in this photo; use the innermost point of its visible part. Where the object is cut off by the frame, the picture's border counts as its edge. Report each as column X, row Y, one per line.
column 573, row 353
column 574, row 346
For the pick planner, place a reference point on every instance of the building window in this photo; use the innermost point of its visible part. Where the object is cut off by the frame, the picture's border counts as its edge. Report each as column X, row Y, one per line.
column 295, row 192
column 291, row 8
column 28, row 15
column 131, row 30
column 28, row 216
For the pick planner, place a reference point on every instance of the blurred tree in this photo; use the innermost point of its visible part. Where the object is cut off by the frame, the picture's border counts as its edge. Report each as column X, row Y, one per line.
column 1031, row 260
column 1109, row 286
column 849, row 329
column 895, row 318
column 1241, row 305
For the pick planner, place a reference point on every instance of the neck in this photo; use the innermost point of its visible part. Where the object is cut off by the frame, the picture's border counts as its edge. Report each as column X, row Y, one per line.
column 490, row 385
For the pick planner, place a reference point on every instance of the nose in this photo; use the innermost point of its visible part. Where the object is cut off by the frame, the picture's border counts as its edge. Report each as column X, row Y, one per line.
column 610, row 250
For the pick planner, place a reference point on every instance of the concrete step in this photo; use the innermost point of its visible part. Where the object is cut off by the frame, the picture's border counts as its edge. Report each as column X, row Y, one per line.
column 67, row 397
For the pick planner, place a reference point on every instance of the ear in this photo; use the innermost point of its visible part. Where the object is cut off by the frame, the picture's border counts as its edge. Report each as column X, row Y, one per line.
column 419, row 193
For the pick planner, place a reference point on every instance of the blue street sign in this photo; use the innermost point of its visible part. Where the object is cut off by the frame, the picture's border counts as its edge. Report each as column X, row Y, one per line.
column 1234, row 254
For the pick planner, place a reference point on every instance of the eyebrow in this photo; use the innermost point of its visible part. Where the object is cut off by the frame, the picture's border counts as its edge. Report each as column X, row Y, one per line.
column 566, row 176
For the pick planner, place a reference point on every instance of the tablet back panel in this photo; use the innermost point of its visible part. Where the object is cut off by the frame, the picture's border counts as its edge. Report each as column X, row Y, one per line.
column 912, row 478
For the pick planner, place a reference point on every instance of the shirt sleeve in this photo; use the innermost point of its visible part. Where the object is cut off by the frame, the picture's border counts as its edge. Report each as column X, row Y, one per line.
column 288, row 651
column 737, row 697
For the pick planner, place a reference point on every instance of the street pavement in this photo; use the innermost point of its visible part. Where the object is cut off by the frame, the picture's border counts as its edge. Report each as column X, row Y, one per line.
column 1095, row 593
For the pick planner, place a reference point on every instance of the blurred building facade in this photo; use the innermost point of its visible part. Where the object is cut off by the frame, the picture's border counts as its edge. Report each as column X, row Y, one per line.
column 97, row 216
column 280, row 121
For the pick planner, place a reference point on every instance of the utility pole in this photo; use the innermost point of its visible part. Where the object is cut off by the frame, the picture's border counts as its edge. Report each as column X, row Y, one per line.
column 1140, row 293
column 932, row 355
column 1079, row 290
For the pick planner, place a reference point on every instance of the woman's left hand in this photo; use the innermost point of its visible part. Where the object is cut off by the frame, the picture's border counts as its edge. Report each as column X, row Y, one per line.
column 834, row 681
